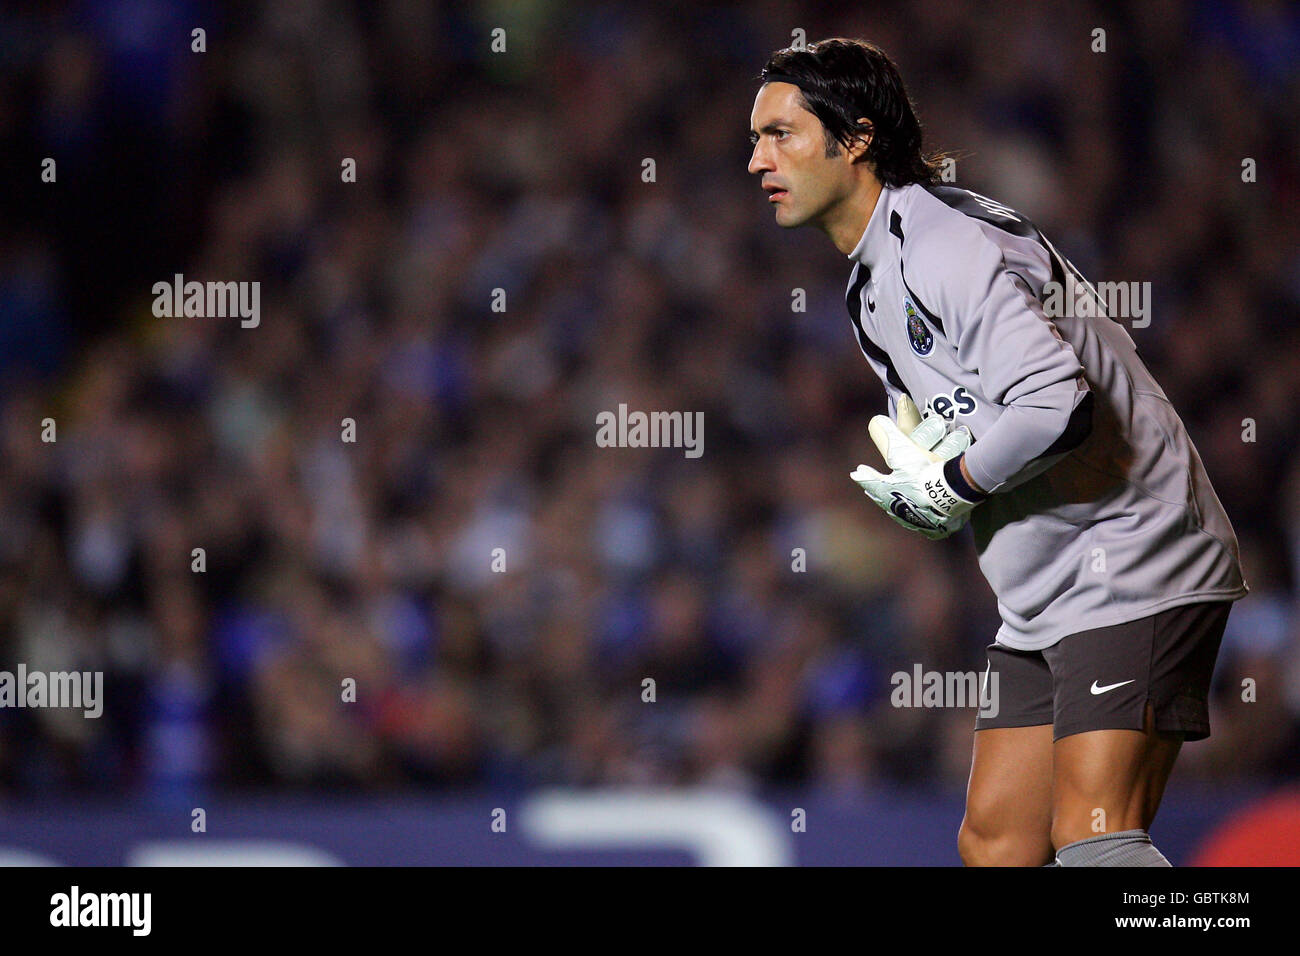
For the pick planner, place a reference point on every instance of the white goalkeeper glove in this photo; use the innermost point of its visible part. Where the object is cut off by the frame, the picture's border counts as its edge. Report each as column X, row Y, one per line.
column 916, row 493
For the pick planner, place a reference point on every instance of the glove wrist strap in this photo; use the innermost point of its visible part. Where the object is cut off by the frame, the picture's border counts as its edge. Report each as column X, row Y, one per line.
column 957, row 481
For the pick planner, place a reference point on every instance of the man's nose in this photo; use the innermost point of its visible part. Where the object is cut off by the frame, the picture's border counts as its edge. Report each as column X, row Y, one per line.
column 758, row 162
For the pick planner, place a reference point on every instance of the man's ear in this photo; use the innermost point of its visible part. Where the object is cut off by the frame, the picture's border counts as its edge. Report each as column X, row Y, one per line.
column 862, row 139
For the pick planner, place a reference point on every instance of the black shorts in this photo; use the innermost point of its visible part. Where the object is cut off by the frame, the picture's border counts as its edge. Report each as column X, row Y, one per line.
column 1102, row 679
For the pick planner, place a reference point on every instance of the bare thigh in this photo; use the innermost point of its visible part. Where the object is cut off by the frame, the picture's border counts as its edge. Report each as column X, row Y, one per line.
column 1107, row 781
column 1008, row 818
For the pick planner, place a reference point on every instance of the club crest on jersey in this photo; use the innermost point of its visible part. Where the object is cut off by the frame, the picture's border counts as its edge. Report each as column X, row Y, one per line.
column 922, row 338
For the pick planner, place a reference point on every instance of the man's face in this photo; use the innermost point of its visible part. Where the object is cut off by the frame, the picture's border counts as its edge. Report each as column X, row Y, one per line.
column 790, row 153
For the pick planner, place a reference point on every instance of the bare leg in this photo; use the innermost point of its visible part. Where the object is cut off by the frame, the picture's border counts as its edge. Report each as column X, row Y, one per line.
column 1008, row 818
column 1107, row 781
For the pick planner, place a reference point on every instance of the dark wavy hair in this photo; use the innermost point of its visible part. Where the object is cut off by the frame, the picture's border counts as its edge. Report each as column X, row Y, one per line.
column 842, row 79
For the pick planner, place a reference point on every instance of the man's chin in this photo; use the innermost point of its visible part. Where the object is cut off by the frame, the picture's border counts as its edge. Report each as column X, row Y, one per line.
column 788, row 218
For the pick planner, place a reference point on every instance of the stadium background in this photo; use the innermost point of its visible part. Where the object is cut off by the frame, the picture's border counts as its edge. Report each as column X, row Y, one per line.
column 475, row 429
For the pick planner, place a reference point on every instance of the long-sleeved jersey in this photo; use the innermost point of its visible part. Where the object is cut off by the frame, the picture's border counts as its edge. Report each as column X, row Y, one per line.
column 1100, row 509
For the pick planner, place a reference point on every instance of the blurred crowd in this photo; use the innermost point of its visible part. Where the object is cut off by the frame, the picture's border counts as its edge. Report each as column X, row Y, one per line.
column 495, row 586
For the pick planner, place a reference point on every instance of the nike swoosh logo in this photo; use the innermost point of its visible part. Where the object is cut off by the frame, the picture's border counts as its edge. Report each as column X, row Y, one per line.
column 871, row 306
column 1101, row 690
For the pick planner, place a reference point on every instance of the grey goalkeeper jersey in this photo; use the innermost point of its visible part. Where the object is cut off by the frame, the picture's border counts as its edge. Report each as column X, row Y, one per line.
column 1101, row 511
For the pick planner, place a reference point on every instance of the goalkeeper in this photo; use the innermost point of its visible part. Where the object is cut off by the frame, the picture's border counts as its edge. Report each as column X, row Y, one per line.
column 1112, row 560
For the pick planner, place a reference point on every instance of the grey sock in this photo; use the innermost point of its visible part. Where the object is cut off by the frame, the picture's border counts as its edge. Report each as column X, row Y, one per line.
column 1126, row 848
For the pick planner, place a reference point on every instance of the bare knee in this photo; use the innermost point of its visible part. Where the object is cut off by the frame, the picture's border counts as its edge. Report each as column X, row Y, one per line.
column 972, row 845
column 982, row 845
